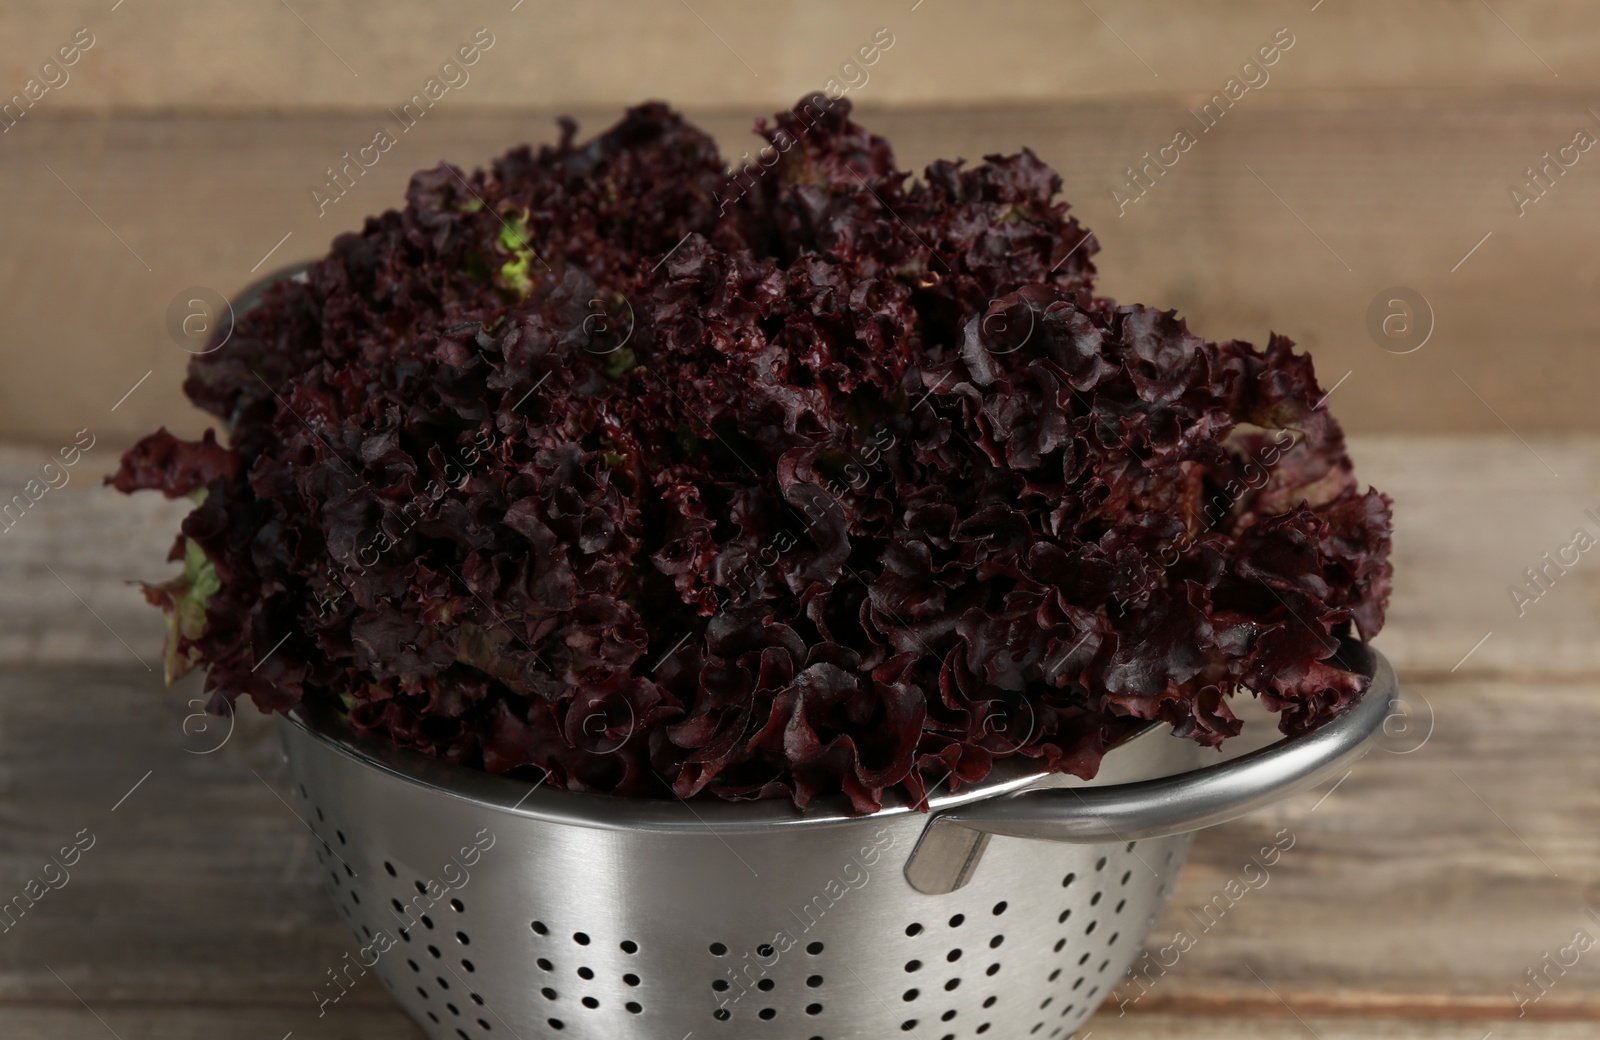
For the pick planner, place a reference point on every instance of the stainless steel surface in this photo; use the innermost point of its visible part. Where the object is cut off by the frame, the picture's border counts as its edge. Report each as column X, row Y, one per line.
column 494, row 907
column 1193, row 800
column 593, row 917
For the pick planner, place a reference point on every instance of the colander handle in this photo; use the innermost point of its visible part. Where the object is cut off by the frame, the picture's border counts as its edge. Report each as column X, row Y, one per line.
column 953, row 842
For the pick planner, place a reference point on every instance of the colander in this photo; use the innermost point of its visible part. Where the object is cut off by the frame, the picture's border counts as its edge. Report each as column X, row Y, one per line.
column 498, row 908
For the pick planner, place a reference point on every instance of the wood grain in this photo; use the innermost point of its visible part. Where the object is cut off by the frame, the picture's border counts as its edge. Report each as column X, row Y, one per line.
column 1425, row 884
column 1286, row 219
column 200, row 886
column 1287, row 1027
column 319, row 54
column 69, row 563
column 1472, row 514
column 179, row 1022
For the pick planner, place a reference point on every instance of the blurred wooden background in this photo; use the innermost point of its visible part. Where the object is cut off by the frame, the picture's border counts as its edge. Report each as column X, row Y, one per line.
column 1379, row 150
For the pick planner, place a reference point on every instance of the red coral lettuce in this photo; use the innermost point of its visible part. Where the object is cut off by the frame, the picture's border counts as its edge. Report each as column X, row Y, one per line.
column 604, row 464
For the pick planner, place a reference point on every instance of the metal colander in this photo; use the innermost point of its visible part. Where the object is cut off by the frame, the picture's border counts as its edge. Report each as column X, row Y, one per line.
column 491, row 907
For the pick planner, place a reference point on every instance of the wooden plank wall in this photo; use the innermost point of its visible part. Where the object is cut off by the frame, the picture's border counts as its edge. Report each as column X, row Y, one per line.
column 1380, row 151
column 326, row 55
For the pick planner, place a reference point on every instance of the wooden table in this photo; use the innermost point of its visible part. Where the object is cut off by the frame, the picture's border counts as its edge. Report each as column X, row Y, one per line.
column 1421, row 888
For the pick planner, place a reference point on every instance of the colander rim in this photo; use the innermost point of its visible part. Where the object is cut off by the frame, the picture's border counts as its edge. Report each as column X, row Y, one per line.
column 598, row 810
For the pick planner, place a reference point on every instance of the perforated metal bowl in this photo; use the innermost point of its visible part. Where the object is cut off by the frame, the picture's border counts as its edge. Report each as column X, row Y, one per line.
column 491, row 907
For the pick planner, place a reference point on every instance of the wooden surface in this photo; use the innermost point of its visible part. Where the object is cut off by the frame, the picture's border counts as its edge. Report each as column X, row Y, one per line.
column 266, row 54
column 1418, row 892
